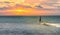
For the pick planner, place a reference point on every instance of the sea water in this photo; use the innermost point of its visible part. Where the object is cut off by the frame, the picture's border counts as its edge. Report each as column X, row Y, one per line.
column 24, row 25
column 51, row 19
column 27, row 19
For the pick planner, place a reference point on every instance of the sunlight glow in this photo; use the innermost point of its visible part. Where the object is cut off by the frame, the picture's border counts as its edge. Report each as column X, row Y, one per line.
column 16, row 10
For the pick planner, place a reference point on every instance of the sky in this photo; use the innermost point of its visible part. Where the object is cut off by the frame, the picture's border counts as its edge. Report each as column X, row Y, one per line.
column 29, row 7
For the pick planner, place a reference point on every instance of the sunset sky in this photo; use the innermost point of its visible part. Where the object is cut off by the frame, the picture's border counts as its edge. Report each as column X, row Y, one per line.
column 29, row 7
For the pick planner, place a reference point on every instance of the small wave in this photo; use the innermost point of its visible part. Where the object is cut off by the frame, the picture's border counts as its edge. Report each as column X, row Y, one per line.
column 51, row 24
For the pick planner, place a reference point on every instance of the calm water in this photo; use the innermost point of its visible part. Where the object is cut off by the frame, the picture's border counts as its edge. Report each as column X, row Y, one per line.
column 51, row 19
column 28, row 25
column 16, row 19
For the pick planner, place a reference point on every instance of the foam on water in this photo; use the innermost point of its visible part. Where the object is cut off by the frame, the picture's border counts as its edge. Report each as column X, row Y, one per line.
column 52, row 24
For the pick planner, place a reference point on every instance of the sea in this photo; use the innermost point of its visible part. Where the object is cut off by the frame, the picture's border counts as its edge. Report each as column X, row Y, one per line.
column 28, row 25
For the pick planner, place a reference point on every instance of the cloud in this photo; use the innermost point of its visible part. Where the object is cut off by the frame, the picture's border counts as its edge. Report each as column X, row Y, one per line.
column 4, row 8
column 5, row 3
column 30, row 3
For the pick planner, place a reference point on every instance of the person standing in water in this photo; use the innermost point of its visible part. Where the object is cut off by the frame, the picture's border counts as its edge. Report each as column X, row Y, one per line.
column 40, row 20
